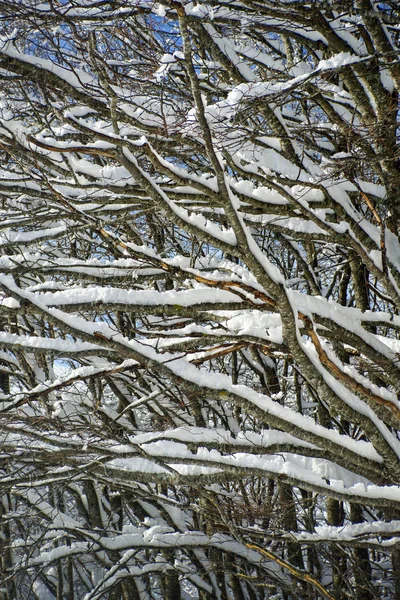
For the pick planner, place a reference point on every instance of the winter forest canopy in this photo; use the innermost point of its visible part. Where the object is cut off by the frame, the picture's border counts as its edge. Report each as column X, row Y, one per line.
column 199, row 300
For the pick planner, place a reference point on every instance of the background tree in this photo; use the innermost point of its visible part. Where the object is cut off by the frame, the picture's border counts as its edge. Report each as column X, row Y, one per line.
column 200, row 274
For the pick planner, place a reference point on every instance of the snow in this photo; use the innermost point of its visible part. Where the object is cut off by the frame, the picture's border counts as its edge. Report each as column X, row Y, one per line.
column 22, row 237
column 340, row 60
column 42, row 343
column 229, row 49
column 387, row 80
column 99, row 295
column 10, row 303
column 212, row 381
column 201, row 436
column 93, row 398
column 77, row 78
column 159, row 9
column 350, row 318
column 204, row 226
column 136, row 465
column 350, row 533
